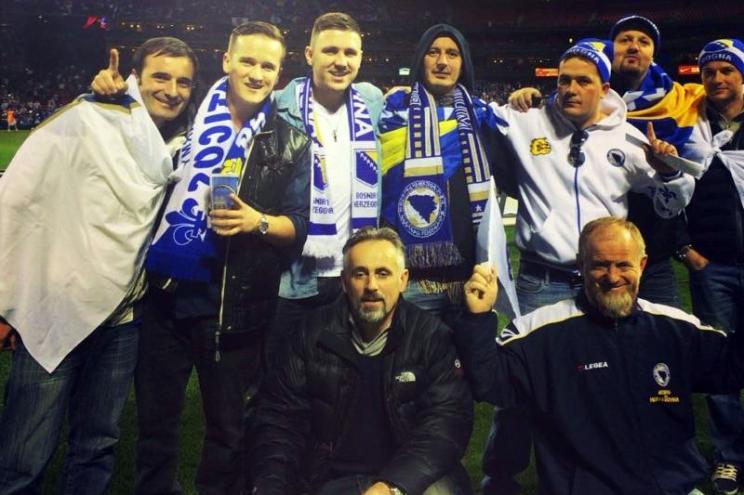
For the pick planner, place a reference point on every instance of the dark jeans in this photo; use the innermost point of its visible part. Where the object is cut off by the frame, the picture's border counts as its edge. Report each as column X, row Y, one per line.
column 717, row 299
column 290, row 312
column 658, row 284
column 90, row 385
column 507, row 451
column 169, row 350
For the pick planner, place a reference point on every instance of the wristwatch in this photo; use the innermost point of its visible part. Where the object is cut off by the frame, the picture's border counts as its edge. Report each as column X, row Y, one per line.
column 681, row 253
column 263, row 225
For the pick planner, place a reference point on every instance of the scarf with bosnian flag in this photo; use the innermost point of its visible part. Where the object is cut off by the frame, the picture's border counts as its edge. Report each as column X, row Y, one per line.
column 322, row 239
column 672, row 107
column 673, row 115
column 184, row 246
column 421, row 214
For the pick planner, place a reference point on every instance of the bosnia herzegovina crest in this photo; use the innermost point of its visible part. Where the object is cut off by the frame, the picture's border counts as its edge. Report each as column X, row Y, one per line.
column 422, row 208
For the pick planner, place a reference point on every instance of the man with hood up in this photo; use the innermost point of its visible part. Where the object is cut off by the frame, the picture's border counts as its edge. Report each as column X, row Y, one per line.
column 436, row 169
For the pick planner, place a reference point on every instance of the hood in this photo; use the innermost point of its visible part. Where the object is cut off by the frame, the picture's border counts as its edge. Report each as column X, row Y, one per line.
column 467, row 77
column 612, row 105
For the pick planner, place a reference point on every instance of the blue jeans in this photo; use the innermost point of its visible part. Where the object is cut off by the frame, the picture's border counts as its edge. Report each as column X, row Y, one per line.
column 439, row 303
column 535, row 292
column 717, row 294
column 91, row 385
column 507, row 451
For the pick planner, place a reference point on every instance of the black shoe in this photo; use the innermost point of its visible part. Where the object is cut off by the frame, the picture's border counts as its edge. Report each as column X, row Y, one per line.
column 726, row 479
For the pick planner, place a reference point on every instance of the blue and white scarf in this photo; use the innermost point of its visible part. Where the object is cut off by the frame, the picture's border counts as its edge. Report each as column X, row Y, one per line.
column 322, row 239
column 423, row 212
column 184, row 245
column 654, row 87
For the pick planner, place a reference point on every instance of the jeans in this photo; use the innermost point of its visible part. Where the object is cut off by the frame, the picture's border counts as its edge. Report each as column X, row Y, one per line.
column 91, row 385
column 290, row 312
column 507, row 451
column 170, row 349
column 535, row 292
column 356, row 484
column 445, row 305
column 717, row 294
column 658, row 284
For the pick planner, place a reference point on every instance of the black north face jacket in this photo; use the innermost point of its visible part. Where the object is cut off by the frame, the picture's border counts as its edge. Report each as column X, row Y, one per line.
column 301, row 413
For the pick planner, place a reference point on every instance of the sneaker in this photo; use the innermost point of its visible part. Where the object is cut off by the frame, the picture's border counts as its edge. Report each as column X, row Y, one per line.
column 726, row 479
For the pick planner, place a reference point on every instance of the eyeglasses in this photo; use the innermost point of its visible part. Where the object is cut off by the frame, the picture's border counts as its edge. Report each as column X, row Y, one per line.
column 576, row 157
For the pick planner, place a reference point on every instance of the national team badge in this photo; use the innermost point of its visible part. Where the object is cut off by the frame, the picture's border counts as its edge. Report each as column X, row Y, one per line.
column 422, row 208
column 616, row 157
column 661, row 374
column 540, row 146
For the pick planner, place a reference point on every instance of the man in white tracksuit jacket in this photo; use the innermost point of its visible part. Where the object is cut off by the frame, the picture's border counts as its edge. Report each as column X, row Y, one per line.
column 575, row 163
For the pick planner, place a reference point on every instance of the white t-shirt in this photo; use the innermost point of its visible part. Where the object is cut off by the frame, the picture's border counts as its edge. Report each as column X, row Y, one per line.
column 333, row 129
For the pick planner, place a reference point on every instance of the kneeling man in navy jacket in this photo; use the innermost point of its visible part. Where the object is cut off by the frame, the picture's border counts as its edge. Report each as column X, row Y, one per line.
column 607, row 377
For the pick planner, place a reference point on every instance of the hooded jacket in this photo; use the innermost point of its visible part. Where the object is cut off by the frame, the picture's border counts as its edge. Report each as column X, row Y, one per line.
column 467, row 77
column 557, row 199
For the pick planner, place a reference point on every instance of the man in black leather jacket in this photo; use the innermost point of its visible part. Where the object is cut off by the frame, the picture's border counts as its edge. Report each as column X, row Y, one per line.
column 216, row 325
column 369, row 397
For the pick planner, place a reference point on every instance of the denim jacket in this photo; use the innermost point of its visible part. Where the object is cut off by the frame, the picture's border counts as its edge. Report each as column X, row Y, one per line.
column 301, row 280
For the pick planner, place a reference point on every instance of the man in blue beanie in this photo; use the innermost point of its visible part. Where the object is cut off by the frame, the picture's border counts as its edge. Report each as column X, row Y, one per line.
column 715, row 221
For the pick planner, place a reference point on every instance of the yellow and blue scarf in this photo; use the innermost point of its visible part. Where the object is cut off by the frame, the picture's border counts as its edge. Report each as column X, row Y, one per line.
column 670, row 106
column 416, row 201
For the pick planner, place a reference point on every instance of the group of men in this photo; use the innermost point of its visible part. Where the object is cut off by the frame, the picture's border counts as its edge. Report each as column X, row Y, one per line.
column 326, row 345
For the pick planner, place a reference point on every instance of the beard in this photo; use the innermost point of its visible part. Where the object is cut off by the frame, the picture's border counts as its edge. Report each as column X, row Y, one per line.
column 613, row 305
column 371, row 315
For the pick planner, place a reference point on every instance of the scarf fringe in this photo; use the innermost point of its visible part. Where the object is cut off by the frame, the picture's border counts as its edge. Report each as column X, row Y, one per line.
column 443, row 254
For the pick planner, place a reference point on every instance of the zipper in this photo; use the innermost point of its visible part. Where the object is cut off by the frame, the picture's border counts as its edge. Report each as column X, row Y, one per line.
column 576, row 195
column 636, row 418
column 220, row 317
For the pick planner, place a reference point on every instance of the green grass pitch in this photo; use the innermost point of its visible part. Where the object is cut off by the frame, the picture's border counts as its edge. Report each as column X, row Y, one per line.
column 192, row 427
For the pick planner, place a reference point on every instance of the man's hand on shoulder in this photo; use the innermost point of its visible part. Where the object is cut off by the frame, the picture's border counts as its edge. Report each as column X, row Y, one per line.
column 522, row 98
column 109, row 82
column 481, row 289
column 7, row 337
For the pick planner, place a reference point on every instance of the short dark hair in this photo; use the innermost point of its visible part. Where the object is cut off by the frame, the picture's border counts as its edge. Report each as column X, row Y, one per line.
column 334, row 20
column 257, row 27
column 165, row 45
column 377, row 234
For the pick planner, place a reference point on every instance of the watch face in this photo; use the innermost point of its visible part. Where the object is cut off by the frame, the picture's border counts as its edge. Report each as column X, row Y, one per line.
column 263, row 225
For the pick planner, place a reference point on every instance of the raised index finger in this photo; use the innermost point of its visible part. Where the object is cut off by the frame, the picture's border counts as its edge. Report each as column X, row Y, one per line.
column 114, row 60
column 650, row 134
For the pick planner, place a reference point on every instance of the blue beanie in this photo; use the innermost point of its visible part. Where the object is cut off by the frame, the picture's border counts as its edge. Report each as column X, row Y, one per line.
column 727, row 50
column 592, row 50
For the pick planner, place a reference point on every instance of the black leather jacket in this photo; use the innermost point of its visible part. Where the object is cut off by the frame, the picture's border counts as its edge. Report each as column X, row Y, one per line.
column 302, row 409
column 276, row 182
